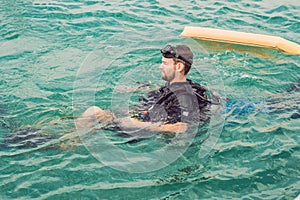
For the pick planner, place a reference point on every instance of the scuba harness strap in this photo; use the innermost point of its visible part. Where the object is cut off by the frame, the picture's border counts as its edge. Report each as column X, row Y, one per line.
column 197, row 90
column 163, row 105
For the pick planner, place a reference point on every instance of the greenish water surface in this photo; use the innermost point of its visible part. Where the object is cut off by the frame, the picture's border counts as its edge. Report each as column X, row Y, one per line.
column 59, row 57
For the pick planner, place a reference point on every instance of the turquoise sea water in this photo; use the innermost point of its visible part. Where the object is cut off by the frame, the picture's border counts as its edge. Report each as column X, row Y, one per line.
column 59, row 57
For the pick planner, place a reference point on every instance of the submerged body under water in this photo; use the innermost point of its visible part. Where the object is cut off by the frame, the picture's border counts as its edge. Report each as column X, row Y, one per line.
column 160, row 105
column 32, row 137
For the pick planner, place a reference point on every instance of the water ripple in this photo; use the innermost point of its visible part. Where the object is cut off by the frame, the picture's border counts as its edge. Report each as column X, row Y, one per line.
column 45, row 44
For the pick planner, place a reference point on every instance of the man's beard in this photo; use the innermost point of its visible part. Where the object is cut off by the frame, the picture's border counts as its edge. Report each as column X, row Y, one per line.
column 168, row 78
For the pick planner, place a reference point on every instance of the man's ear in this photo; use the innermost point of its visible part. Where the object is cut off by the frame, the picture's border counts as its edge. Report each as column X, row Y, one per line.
column 179, row 66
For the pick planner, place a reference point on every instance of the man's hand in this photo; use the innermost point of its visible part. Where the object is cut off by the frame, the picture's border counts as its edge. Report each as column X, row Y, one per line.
column 92, row 116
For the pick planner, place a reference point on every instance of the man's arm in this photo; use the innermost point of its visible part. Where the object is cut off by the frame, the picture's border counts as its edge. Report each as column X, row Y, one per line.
column 94, row 115
column 131, row 123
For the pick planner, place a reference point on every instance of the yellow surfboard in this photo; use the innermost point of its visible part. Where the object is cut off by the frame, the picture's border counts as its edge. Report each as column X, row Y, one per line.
column 241, row 38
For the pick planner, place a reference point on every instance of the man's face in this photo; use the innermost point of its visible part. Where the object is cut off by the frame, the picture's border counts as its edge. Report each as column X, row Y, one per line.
column 167, row 69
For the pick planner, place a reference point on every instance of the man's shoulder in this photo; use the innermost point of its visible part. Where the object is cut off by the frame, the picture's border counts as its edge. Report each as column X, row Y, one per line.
column 187, row 87
column 196, row 85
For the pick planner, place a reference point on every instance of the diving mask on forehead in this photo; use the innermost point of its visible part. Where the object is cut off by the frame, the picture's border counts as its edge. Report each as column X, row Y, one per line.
column 170, row 51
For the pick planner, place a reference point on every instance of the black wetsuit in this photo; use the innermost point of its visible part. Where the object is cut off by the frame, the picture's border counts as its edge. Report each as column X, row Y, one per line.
column 178, row 102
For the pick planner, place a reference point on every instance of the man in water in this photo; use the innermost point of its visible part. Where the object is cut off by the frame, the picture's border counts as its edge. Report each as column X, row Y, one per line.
column 169, row 109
